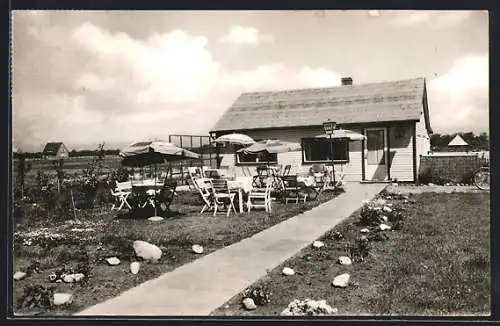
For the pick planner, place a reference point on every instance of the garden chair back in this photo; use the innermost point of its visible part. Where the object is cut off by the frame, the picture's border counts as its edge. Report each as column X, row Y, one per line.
column 260, row 197
column 292, row 189
column 206, row 191
column 166, row 196
column 286, row 170
column 222, row 196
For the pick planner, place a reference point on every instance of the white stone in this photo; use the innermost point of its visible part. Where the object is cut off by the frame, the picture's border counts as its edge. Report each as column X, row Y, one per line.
column 147, row 251
column 341, row 280
column 318, row 244
column 19, row 275
column 384, row 218
column 288, row 271
column 62, row 298
column 78, row 277
column 308, row 307
column 197, row 249
column 387, row 209
column 384, row 227
column 364, row 230
column 134, row 267
column 113, row 261
column 68, row 278
column 155, row 218
column 406, row 201
column 431, row 184
column 344, row 260
column 249, row 304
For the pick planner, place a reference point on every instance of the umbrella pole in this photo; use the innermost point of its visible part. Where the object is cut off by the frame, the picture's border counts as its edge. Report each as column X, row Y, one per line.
column 156, row 193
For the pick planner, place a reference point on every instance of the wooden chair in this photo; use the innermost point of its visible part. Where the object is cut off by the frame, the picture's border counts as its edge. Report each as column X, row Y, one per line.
column 193, row 173
column 166, row 196
column 222, row 196
column 206, row 191
column 121, row 193
column 292, row 190
column 262, row 175
column 260, row 197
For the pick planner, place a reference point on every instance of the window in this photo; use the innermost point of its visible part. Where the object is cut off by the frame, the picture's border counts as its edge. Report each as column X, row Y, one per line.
column 265, row 157
column 318, row 150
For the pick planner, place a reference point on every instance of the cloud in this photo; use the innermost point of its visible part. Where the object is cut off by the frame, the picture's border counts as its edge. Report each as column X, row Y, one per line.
column 438, row 18
column 115, row 88
column 241, row 35
column 459, row 100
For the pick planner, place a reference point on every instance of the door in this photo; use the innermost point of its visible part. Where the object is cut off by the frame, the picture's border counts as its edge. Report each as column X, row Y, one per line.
column 376, row 154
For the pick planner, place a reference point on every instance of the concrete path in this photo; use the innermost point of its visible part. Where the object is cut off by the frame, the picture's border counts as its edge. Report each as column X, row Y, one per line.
column 198, row 288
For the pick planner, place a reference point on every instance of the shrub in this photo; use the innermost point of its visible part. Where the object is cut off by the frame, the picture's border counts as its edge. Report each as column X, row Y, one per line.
column 259, row 294
column 36, row 296
column 427, row 176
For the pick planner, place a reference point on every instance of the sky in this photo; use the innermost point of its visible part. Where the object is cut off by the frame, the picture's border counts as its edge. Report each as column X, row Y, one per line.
column 84, row 77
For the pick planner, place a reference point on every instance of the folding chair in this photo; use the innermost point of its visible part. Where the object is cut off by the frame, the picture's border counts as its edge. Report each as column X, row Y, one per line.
column 292, row 190
column 260, row 197
column 205, row 190
column 166, row 195
column 121, row 193
column 262, row 174
column 194, row 173
column 222, row 195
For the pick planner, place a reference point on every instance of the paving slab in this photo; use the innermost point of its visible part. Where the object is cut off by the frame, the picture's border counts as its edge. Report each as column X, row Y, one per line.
column 199, row 287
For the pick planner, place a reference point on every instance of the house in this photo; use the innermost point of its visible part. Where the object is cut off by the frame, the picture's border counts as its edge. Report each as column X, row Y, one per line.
column 55, row 151
column 394, row 117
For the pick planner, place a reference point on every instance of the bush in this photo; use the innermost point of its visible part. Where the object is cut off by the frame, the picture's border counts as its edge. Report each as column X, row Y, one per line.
column 427, row 176
column 36, row 296
column 259, row 294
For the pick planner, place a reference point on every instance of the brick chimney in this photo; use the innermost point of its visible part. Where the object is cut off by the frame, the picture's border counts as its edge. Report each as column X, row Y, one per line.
column 346, row 81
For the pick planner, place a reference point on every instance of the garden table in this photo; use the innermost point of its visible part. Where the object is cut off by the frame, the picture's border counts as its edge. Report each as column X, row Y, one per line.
column 241, row 185
column 145, row 192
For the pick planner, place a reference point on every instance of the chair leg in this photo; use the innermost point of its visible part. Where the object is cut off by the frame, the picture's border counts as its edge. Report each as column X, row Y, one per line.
column 234, row 208
column 215, row 208
column 126, row 202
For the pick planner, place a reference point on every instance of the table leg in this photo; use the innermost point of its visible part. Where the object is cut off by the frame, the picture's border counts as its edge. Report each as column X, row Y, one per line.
column 240, row 199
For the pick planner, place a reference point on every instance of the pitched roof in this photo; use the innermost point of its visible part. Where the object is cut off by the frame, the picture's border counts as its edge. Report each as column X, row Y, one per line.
column 52, row 148
column 458, row 141
column 376, row 102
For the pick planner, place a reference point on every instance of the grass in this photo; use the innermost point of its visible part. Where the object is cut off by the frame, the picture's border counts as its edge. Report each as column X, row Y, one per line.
column 106, row 236
column 437, row 264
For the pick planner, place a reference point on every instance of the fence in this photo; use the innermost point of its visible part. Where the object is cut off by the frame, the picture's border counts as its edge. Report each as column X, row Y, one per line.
column 451, row 167
column 198, row 144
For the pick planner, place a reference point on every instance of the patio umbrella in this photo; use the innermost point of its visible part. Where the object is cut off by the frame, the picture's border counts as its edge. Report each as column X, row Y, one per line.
column 236, row 139
column 271, row 146
column 343, row 133
column 154, row 152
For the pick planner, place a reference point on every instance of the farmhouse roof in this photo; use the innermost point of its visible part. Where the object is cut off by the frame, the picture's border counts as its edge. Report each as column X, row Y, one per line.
column 52, row 148
column 457, row 141
column 375, row 102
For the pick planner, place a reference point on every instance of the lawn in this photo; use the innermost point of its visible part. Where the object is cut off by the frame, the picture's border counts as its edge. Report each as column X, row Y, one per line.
column 437, row 262
column 44, row 246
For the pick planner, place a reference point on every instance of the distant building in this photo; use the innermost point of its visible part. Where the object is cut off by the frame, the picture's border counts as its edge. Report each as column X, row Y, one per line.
column 55, row 151
column 458, row 144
